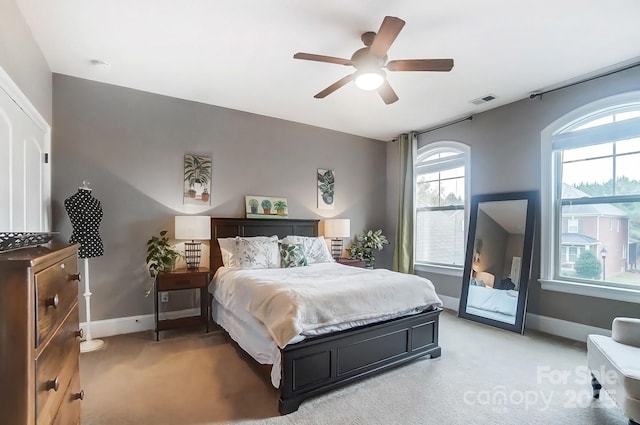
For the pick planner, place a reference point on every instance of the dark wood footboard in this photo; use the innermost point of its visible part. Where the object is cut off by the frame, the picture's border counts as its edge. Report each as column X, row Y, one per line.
column 320, row 364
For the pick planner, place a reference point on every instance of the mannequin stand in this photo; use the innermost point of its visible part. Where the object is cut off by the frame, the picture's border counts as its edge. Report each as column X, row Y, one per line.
column 89, row 344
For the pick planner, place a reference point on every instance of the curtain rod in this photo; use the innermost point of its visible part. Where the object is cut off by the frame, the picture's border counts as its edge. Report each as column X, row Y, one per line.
column 469, row 118
column 624, row 68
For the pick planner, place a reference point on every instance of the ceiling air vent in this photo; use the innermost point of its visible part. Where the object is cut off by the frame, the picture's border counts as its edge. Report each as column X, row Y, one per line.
column 483, row 99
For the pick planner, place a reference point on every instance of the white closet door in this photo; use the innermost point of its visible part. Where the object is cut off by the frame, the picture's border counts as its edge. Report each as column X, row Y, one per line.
column 25, row 178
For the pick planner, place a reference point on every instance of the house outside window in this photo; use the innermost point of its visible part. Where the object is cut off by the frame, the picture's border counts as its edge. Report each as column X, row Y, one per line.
column 591, row 202
column 442, row 190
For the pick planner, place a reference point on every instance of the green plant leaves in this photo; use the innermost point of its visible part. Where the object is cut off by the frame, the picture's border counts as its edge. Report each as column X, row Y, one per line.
column 160, row 255
column 279, row 205
column 365, row 244
column 197, row 169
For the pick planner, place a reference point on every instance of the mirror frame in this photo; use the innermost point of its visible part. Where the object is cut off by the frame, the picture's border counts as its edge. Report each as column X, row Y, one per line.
column 532, row 204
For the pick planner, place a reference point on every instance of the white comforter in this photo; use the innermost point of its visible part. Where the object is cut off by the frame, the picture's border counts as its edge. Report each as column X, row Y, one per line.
column 493, row 300
column 303, row 300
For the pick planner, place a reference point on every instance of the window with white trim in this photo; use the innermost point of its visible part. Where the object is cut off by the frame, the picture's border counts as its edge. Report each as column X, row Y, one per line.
column 441, row 171
column 591, row 204
column 573, row 225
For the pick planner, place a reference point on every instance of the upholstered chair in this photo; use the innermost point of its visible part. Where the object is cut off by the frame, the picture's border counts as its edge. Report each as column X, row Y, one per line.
column 615, row 365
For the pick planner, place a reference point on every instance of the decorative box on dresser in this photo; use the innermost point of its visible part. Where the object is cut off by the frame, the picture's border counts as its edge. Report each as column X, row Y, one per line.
column 40, row 336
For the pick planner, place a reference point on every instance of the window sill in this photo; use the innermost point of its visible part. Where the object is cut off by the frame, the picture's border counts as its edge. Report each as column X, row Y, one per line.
column 450, row 271
column 618, row 294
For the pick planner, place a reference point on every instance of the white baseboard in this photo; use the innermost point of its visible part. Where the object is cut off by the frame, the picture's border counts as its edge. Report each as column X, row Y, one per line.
column 563, row 328
column 126, row 325
column 550, row 325
column 450, row 303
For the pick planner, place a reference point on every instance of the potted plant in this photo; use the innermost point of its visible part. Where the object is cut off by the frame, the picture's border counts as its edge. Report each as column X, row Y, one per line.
column 266, row 206
column 197, row 170
column 280, row 207
column 365, row 245
column 205, row 195
column 160, row 255
column 253, row 204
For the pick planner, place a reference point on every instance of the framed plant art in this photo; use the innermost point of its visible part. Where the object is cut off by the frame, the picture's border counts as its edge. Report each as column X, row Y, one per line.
column 266, row 207
column 197, row 180
column 326, row 189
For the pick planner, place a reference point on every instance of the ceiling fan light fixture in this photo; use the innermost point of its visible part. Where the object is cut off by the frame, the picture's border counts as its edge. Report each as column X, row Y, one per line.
column 370, row 79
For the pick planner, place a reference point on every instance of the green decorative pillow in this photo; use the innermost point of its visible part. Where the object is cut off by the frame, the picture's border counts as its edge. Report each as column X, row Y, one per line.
column 292, row 255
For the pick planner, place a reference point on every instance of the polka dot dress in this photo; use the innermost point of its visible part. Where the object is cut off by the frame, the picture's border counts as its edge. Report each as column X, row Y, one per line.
column 85, row 213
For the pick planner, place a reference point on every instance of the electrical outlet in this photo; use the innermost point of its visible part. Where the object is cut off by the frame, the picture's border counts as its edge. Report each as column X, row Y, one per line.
column 164, row 297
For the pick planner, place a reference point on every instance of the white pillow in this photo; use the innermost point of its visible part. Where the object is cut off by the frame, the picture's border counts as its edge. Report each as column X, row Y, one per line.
column 259, row 252
column 227, row 249
column 315, row 248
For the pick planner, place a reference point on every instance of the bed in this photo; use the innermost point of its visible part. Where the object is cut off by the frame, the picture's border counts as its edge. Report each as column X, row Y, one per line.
column 496, row 304
column 317, row 364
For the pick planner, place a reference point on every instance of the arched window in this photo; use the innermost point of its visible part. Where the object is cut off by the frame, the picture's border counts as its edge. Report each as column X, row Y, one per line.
column 442, row 191
column 591, row 200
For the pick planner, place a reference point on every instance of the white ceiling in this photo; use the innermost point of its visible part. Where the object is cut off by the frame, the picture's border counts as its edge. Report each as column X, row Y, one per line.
column 238, row 53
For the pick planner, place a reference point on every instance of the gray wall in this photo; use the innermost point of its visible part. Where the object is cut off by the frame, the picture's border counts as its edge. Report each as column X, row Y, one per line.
column 130, row 145
column 22, row 59
column 506, row 156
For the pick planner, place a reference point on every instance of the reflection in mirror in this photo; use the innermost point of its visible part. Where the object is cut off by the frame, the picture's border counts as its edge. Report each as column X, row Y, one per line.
column 498, row 258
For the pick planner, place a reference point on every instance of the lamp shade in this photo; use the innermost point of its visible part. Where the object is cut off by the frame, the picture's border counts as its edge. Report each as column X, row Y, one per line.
column 194, row 227
column 337, row 228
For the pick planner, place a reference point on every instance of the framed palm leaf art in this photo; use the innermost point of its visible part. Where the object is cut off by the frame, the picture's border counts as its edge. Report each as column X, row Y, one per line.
column 197, row 180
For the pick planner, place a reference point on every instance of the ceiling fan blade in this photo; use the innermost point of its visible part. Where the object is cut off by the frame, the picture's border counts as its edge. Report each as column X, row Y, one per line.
column 386, row 93
column 387, row 33
column 333, row 87
column 321, row 58
column 420, row 65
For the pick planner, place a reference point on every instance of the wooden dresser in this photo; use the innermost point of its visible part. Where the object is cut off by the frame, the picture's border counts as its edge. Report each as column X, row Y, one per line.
column 40, row 336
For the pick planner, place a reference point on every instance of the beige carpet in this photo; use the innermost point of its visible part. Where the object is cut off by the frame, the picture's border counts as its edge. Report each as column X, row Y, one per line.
column 485, row 376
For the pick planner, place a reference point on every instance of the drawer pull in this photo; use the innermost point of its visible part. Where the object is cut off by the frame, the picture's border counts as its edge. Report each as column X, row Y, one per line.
column 79, row 333
column 52, row 301
column 78, row 396
column 53, row 385
column 76, row 276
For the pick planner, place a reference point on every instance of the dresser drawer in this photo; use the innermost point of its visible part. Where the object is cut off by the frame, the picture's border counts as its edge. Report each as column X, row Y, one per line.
column 170, row 282
column 69, row 413
column 56, row 294
column 55, row 367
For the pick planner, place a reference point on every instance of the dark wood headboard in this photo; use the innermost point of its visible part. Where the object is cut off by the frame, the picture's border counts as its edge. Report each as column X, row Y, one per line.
column 232, row 227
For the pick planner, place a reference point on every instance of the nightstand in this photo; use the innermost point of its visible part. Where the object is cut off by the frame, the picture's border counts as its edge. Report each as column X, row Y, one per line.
column 354, row 262
column 179, row 280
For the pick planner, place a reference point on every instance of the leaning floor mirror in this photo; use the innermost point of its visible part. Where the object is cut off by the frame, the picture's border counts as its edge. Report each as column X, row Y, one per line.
column 498, row 259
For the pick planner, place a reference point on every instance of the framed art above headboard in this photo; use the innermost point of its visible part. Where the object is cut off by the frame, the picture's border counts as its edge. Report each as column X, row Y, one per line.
column 232, row 227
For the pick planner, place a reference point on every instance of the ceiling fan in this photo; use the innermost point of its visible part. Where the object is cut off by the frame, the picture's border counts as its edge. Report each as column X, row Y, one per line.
column 370, row 60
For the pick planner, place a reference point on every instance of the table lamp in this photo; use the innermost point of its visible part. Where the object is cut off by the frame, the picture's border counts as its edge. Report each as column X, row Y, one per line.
column 336, row 229
column 194, row 227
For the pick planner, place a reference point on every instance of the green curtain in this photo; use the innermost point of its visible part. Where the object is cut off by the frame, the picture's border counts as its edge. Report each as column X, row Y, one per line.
column 403, row 254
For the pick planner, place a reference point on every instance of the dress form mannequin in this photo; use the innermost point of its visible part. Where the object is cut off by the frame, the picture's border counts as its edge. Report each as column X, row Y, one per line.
column 85, row 213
